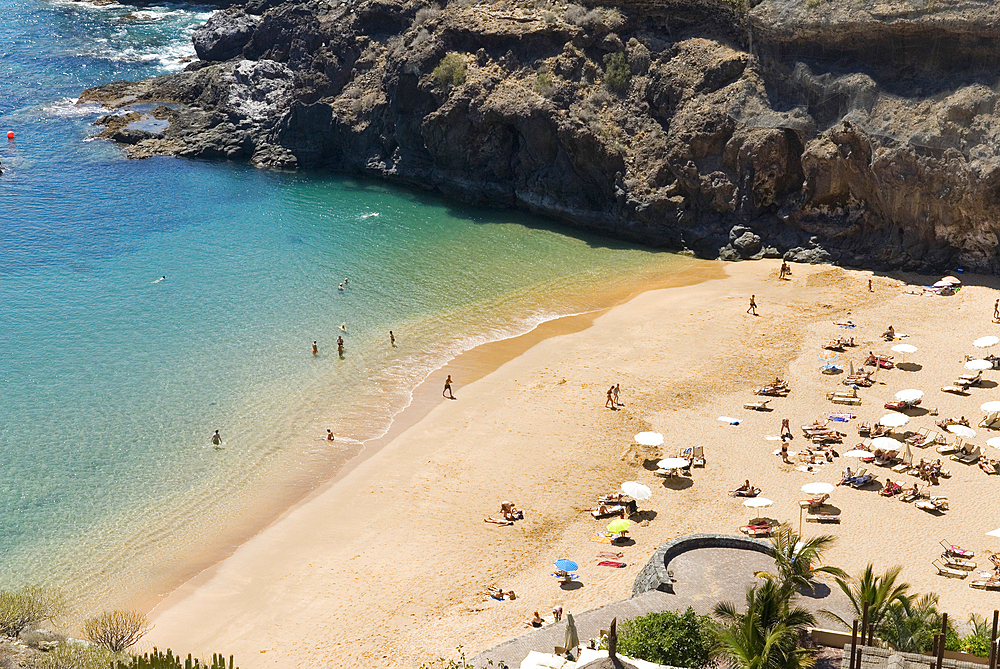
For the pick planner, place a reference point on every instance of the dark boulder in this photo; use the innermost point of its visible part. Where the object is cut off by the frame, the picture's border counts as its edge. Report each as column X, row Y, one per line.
column 224, row 35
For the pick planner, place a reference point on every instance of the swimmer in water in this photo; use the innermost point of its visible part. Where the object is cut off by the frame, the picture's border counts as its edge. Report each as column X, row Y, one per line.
column 340, row 287
column 343, row 327
column 162, row 278
column 392, row 339
column 345, row 280
column 216, row 438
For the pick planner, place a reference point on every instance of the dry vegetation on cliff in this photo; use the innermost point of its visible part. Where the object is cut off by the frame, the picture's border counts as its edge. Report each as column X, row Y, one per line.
column 861, row 132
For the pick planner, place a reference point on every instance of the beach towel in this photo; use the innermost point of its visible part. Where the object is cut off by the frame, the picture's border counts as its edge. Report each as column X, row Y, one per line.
column 601, row 538
column 842, row 417
column 771, row 437
column 846, row 327
column 497, row 521
column 730, row 420
column 608, row 555
column 611, row 563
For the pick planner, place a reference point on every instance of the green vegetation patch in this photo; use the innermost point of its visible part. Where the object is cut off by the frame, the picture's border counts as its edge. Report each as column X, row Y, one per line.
column 451, row 70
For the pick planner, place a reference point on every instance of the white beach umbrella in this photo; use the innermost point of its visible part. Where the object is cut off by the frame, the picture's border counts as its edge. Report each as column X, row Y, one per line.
column 857, row 454
column 994, row 442
column 894, row 420
column 952, row 280
column 636, row 490
column 904, row 348
column 962, row 430
column 886, row 443
column 649, row 438
column 986, row 342
column 672, row 463
column 818, row 488
column 994, row 533
column 757, row 502
column 909, row 395
column 979, row 364
column 990, row 406
column 907, row 454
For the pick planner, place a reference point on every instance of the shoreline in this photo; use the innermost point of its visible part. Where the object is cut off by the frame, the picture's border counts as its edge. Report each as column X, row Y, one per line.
column 293, row 490
column 388, row 564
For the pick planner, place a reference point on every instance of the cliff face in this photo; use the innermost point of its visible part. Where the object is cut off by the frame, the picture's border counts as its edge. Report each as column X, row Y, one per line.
column 862, row 132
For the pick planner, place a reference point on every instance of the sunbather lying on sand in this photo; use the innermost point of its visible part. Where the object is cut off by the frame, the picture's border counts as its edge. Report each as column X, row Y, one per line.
column 499, row 594
column 745, row 490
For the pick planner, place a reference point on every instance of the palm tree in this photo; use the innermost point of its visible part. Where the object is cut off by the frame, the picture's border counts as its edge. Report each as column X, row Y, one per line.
column 794, row 559
column 909, row 625
column 766, row 635
column 877, row 591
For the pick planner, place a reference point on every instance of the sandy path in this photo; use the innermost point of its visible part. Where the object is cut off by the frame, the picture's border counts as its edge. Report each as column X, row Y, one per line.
column 387, row 565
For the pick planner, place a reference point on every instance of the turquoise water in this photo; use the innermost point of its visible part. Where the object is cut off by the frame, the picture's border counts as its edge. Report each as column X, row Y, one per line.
column 112, row 382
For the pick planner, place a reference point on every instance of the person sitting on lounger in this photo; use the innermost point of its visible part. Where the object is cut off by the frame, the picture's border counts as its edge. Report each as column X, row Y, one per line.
column 848, row 474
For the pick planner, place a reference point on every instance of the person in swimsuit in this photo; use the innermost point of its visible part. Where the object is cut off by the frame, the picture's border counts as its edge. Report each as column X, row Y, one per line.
column 753, row 305
column 329, row 435
column 315, row 350
column 611, row 398
column 537, row 621
column 392, row 339
column 447, row 389
column 216, row 438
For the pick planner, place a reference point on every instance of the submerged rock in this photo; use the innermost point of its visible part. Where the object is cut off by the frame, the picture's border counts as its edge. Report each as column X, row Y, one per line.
column 866, row 134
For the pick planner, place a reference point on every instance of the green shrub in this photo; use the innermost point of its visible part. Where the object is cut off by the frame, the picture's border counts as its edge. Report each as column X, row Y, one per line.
column 28, row 607
column 976, row 645
column 117, row 630
column 951, row 640
column 544, row 85
column 616, row 72
column 74, row 656
column 665, row 637
column 451, row 70
column 160, row 660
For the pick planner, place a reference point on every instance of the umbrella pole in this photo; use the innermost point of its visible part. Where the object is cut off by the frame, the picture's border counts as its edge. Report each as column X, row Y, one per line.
column 800, row 521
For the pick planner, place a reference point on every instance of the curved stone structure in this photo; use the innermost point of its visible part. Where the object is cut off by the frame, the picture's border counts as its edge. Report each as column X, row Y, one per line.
column 656, row 574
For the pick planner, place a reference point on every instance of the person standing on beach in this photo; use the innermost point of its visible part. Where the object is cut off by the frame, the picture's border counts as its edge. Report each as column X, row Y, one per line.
column 996, row 311
column 753, row 306
column 870, row 289
column 618, row 389
column 315, row 350
column 216, row 438
column 447, row 389
column 392, row 339
column 329, row 435
column 611, row 401
column 785, row 429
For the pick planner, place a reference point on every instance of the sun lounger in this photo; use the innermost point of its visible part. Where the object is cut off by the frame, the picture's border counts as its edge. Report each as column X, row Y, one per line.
column 957, row 551
column 958, row 390
column 967, row 455
column 861, row 481
column 609, row 511
column 951, row 447
column 823, row 517
column 957, row 562
column 772, row 391
column 945, row 570
column 991, row 420
column 698, row 456
column 933, row 504
column 757, row 406
column 987, row 584
column 757, row 530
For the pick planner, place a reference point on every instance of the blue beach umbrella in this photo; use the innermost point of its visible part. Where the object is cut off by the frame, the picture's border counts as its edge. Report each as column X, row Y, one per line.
column 563, row 564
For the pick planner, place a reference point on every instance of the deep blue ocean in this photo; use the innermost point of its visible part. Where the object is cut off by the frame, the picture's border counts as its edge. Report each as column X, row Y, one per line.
column 112, row 382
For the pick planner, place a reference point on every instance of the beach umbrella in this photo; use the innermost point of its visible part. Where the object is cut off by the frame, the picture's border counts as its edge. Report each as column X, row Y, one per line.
column 994, row 533
column 857, row 454
column 886, row 443
column 757, row 502
column 986, row 342
column 572, row 638
column 562, row 564
column 941, row 284
column 672, row 463
column 636, row 490
column 907, row 454
column 904, row 348
column 619, row 526
column 979, row 364
column 818, row 488
column 990, row 406
column 828, row 355
column 649, row 438
column 894, row 420
column 994, row 442
column 909, row 395
column 952, row 280
column 962, row 430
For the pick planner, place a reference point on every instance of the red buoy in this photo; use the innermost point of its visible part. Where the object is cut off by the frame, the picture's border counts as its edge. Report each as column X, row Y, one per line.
column 10, row 134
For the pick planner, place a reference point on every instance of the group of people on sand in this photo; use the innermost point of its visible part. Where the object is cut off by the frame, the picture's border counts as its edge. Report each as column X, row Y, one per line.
column 745, row 490
column 538, row 621
column 613, row 391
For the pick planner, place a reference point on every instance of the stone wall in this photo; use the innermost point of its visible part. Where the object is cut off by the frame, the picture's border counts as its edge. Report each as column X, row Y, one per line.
column 656, row 574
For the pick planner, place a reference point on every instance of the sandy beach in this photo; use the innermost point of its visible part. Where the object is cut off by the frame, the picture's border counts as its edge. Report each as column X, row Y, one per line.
column 387, row 565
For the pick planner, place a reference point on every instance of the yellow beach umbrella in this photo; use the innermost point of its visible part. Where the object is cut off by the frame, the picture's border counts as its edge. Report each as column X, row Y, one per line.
column 619, row 526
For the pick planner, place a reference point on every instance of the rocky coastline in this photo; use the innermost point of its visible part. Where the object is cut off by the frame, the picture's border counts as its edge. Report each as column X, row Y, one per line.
column 863, row 133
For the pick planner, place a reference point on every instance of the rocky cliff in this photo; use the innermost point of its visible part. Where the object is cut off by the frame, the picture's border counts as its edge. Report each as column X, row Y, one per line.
column 855, row 131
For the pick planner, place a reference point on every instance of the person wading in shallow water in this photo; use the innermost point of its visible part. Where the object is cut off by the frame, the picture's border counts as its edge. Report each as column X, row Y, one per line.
column 216, row 438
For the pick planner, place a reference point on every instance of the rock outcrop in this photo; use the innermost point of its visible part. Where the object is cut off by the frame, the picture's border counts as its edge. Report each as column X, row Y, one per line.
column 863, row 133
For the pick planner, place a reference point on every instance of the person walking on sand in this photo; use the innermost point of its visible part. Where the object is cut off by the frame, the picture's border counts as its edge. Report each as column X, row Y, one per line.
column 753, row 305
column 870, row 289
column 618, row 389
column 315, row 350
column 447, row 389
column 216, row 438
column 611, row 395
column 996, row 311
column 392, row 339
column 785, row 428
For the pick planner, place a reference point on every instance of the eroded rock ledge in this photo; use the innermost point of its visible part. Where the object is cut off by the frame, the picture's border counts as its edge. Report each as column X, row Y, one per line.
column 864, row 133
